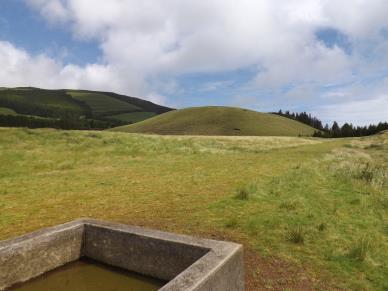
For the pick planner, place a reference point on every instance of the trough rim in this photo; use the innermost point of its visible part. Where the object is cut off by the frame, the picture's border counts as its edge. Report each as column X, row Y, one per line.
column 192, row 278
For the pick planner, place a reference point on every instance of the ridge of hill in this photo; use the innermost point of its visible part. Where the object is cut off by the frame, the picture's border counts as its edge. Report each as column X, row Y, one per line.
column 220, row 121
column 72, row 109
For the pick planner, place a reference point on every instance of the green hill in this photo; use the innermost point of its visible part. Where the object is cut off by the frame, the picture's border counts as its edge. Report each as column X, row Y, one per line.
column 72, row 109
column 222, row 121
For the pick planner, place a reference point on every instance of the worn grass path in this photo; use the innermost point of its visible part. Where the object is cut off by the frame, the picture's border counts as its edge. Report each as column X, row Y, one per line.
column 311, row 205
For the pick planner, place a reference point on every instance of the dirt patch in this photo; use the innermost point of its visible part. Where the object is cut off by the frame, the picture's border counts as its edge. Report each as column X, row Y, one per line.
column 270, row 273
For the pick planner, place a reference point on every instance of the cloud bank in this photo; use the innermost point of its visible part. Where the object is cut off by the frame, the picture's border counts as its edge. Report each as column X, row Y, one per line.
column 144, row 42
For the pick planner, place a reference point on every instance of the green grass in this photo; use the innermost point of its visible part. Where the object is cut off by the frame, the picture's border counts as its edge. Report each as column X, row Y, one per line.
column 102, row 104
column 308, row 204
column 221, row 121
column 7, row 111
column 133, row 117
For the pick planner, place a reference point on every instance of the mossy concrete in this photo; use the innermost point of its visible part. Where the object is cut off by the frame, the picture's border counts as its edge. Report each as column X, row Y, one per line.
column 187, row 263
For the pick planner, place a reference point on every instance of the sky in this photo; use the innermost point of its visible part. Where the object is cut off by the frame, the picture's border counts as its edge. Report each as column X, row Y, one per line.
column 326, row 57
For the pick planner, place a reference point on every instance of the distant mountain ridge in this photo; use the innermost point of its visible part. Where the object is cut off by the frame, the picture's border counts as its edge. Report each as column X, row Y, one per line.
column 72, row 109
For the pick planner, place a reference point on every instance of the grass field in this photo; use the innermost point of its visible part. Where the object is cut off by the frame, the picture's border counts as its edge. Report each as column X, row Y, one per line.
column 133, row 116
column 311, row 213
column 216, row 120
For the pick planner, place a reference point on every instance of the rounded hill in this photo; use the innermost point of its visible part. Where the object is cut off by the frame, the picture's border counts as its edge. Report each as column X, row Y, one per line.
column 217, row 120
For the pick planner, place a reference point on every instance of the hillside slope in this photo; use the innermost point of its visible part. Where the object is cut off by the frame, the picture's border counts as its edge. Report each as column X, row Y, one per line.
column 76, row 109
column 227, row 121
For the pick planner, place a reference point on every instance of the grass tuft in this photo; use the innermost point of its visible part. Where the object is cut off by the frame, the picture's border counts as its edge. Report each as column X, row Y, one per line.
column 231, row 223
column 360, row 248
column 289, row 204
column 322, row 227
column 245, row 192
column 295, row 234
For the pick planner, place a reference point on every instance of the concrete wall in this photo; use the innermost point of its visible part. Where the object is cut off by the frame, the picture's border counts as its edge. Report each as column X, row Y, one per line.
column 187, row 263
column 31, row 255
column 158, row 258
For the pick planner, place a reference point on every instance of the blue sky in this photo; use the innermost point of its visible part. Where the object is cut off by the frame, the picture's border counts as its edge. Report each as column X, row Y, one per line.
column 324, row 57
column 26, row 29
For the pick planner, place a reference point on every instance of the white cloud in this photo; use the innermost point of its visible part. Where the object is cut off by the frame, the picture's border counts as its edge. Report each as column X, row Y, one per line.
column 213, row 86
column 357, row 18
column 52, row 10
column 145, row 41
column 156, row 98
column 175, row 37
column 20, row 69
column 360, row 112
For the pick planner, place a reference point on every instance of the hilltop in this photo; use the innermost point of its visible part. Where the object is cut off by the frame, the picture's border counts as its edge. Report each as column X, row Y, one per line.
column 221, row 121
column 77, row 109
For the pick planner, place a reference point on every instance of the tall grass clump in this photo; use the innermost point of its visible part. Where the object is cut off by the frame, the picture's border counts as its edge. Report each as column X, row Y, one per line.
column 295, row 234
column 377, row 175
column 360, row 248
column 231, row 223
column 370, row 172
column 245, row 192
column 289, row 204
column 322, row 227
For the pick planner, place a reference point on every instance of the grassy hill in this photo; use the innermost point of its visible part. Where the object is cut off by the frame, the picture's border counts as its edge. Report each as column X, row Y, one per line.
column 222, row 121
column 311, row 213
column 72, row 108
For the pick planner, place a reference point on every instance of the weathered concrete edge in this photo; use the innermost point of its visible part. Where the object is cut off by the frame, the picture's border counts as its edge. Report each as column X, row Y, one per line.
column 178, row 238
column 36, row 253
column 219, row 269
column 13, row 242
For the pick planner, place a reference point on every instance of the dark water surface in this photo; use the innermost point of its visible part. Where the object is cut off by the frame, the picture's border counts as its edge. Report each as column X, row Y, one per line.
column 87, row 275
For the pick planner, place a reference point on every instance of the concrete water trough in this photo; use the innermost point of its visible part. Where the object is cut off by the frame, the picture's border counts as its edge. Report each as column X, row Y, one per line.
column 183, row 262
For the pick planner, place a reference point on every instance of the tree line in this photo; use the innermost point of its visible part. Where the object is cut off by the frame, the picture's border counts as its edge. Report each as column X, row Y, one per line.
column 335, row 131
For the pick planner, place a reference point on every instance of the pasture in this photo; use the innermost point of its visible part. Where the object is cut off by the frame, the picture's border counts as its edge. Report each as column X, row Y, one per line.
column 311, row 213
